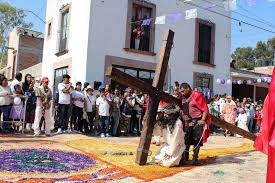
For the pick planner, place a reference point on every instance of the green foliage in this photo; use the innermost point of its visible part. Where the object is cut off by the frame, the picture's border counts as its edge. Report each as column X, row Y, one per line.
column 10, row 17
column 262, row 52
column 247, row 57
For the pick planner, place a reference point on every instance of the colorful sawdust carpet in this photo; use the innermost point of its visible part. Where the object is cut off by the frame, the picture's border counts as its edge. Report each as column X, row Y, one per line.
column 46, row 161
column 40, row 165
column 148, row 172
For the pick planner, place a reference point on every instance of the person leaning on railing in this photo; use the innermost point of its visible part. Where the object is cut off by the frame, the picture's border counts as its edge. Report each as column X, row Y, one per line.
column 5, row 103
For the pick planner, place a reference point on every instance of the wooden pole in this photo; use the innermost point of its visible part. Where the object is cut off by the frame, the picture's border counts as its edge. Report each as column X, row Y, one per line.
column 150, row 116
column 232, row 128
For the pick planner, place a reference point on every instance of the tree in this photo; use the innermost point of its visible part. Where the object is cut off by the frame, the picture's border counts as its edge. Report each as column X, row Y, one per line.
column 262, row 52
column 10, row 17
column 245, row 57
column 271, row 46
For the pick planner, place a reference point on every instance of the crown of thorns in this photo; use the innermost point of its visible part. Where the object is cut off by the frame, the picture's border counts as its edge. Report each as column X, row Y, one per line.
column 169, row 109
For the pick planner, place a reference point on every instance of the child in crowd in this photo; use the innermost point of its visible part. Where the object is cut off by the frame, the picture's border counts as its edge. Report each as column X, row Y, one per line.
column 17, row 111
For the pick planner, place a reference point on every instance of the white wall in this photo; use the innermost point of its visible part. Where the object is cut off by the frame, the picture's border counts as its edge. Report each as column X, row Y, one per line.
column 104, row 34
column 108, row 30
column 77, row 40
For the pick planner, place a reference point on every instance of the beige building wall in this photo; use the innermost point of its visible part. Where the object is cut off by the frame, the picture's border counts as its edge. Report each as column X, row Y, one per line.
column 35, row 70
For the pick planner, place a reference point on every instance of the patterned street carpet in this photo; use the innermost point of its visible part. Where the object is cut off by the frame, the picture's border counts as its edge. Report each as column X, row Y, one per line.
column 64, row 159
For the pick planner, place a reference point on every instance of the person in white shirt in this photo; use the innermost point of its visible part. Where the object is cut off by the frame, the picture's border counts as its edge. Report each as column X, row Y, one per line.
column 242, row 120
column 78, row 100
column 16, row 81
column 64, row 90
column 103, row 112
column 90, row 107
column 5, row 103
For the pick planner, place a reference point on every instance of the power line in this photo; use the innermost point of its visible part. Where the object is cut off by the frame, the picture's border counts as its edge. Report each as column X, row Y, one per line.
column 232, row 18
column 251, row 18
column 267, row 22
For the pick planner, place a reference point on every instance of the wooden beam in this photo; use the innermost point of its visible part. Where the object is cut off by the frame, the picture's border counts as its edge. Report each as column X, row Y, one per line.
column 150, row 116
column 162, row 64
column 232, row 128
column 139, row 85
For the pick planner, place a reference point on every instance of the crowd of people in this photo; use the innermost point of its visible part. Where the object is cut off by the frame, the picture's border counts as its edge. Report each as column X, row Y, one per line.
column 244, row 113
column 105, row 112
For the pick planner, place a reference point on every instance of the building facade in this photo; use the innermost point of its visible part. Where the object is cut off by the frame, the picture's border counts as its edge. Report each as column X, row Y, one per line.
column 84, row 38
column 24, row 51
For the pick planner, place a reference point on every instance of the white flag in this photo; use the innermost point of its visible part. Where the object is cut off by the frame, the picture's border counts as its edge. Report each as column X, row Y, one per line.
column 192, row 13
column 230, row 5
column 160, row 20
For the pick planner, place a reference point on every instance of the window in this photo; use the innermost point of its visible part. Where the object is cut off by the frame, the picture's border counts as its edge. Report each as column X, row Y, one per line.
column 204, row 83
column 142, row 74
column 205, row 42
column 64, row 31
column 49, row 29
column 140, row 29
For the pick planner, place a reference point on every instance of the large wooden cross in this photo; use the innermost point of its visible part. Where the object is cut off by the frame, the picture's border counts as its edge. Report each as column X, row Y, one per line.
column 155, row 92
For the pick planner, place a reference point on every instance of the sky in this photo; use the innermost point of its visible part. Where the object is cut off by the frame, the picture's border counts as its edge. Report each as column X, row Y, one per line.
column 262, row 10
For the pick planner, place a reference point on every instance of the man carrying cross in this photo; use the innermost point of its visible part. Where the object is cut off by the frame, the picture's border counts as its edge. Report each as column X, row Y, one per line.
column 196, row 117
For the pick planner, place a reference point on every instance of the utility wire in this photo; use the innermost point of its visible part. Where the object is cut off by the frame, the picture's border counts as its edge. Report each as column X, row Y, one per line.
column 267, row 22
column 232, row 18
column 251, row 18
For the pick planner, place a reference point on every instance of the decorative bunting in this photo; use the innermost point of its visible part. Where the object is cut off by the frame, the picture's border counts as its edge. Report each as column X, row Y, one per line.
column 192, row 13
column 146, row 21
column 160, row 20
column 230, row 5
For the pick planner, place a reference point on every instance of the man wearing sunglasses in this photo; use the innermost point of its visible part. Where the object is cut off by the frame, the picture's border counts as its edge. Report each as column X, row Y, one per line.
column 43, row 105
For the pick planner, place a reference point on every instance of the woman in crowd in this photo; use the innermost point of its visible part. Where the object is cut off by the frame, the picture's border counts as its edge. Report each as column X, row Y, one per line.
column 78, row 100
column 17, row 111
column 5, row 103
column 229, row 112
column 28, row 90
column 90, row 108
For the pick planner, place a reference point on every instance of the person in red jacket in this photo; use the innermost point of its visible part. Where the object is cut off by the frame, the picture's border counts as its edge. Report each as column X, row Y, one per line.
column 265, row 142
column 196, row 117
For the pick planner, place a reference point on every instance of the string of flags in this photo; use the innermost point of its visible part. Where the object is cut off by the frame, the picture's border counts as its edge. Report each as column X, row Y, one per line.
column 228, row 5
column 248, row 81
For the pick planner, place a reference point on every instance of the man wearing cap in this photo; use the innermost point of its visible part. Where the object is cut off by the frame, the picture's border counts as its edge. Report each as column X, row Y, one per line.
column 43, row 105
column 64, row 90
column 103, row 112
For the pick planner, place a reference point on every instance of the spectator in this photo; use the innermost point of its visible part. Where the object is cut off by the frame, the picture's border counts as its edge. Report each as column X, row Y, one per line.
column 78, row 100
column 103, row 111
column 5, row 103
column 43, row 104
column 232, row 64
column 242, row 120
column 116, row 111
column 229, row 112
column 64, row 90
column 17, row 80
column 17, row 111
column 28, row 90
column 90, row 108
column 258, row 117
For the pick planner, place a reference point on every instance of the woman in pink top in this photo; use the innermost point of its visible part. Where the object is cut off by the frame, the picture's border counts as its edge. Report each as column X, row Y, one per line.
column 229, row 111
